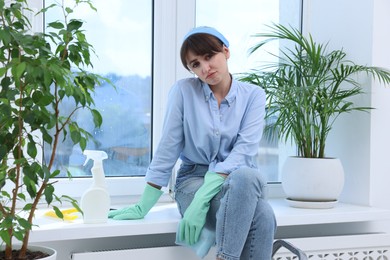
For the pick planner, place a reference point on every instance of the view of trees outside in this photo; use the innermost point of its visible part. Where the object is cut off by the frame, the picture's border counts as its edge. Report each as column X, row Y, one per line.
column 121, row 34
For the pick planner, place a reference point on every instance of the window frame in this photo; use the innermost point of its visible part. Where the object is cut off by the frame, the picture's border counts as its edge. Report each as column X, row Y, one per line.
column 121, row 189
column 165, row 34
column 171, row 21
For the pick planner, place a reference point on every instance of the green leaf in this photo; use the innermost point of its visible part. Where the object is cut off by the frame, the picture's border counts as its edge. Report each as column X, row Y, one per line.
column 68, row 10
column 69, row 174
column 47, row 138
column 55, row 174
column 49, row 193
column 83, row 143
column 30, row 172
column 22, row 196
column 73, row 202
column 3, row 151
column 74, row 25
column 24, row 223
column 32, row 149
column 5, row 194
column 19, row 69
column 76, row 205
column 5, row 236
column 30, row 186
column 46, row 172
column 41, row 99
column 18, row 234
column 6, row 82
column 3, row 70
column 97, row 117
column 6, row 223
column 27, row 207
column 75, row 135
column 58, row 212
column 56, row 25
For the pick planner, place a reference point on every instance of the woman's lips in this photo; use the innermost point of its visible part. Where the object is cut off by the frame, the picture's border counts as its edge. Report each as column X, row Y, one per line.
column 210, row 75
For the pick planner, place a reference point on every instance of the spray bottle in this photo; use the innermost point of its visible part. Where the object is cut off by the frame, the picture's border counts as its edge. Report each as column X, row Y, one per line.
column 95, row 202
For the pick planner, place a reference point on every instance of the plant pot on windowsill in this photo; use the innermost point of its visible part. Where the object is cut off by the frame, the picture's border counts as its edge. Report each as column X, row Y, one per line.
column 312, row 182
column 307, row 89
column 34, row 252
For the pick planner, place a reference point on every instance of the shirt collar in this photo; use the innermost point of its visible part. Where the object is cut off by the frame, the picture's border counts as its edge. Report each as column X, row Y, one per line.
column 230, row 97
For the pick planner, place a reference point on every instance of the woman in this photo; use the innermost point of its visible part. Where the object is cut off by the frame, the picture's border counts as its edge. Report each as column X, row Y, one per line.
column 214, row 125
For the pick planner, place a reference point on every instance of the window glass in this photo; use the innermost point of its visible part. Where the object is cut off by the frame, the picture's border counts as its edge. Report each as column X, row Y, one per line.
column 239, row 21
column 121, row 34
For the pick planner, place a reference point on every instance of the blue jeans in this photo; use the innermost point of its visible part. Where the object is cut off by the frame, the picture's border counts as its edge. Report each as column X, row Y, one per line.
column 242, row 218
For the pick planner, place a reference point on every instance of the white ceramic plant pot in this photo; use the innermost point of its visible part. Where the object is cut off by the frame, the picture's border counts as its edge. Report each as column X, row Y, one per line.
column 312, row 182
column 50, row 251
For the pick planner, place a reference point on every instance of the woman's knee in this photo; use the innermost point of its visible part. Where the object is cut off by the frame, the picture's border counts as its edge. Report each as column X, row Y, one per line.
column 246, row 175
column 248, row 178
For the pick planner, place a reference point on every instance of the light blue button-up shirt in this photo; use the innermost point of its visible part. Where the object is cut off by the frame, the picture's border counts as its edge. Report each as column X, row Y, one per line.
column 197, row 131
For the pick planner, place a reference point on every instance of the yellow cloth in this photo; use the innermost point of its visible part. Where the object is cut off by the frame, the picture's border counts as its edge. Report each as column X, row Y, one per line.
column 69, row 214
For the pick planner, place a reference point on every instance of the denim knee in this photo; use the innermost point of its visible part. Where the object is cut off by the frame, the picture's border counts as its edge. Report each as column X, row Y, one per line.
column 249, row 178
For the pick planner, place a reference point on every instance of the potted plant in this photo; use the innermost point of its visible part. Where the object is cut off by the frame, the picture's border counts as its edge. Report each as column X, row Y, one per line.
column 38, row 72
column 307, row 89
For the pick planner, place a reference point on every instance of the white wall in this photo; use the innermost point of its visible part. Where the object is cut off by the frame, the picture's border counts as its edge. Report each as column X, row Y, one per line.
column 360, row 140
column 362, row 29
column 380, row 120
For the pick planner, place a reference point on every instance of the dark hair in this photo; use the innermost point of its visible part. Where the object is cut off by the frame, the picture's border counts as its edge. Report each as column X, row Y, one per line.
column 200, row 44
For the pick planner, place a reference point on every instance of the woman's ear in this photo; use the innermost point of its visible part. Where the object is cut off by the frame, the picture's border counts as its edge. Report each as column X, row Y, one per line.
column 226, row 52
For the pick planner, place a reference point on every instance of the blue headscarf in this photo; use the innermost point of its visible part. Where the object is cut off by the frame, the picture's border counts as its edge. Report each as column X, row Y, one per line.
column 207, row 30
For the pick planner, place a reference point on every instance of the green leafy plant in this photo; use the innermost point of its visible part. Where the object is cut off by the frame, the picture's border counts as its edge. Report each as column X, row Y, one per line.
column 38, row 72
column 307, row 89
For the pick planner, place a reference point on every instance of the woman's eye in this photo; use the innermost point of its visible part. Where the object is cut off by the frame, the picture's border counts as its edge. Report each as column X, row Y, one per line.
column 195, row 65
column 208, row 56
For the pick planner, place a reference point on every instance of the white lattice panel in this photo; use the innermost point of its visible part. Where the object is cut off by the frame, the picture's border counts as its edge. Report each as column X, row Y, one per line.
column 350, row 247
column 351, row 254
column 355, row 247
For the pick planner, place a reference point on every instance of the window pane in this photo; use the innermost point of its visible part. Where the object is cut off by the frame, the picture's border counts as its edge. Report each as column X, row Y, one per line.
column 121, row 34
column 238, row 20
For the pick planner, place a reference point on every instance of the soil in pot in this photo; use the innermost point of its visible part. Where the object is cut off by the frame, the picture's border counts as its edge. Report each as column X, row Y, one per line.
column 30, row 255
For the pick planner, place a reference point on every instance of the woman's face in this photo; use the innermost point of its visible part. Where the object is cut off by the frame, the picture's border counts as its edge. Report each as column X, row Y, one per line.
column 210, row 68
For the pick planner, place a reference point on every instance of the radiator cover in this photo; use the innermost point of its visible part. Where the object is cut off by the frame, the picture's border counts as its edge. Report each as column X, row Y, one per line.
column 354, row 247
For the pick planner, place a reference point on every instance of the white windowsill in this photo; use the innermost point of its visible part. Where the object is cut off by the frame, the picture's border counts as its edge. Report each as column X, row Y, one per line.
column 164, row 218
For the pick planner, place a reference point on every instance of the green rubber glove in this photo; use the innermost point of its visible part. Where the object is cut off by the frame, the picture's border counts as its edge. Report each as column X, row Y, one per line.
column 148, row 199
column 195, row 216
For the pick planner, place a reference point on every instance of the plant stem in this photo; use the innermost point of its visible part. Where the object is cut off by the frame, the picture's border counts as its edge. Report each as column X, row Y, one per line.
column 18, row 164
column 22, row 254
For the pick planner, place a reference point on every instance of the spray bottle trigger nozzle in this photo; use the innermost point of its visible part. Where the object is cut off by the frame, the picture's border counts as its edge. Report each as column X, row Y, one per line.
column 95, row 155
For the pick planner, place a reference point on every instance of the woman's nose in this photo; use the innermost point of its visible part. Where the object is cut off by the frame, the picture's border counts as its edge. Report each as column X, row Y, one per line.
column 205, row 67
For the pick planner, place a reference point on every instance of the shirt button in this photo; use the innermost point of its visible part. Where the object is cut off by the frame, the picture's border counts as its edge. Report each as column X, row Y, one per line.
column 217, row 133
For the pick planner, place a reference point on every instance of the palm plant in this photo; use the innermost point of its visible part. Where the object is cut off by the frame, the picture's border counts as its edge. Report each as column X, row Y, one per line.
column 306, row 89
column 37, row 73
